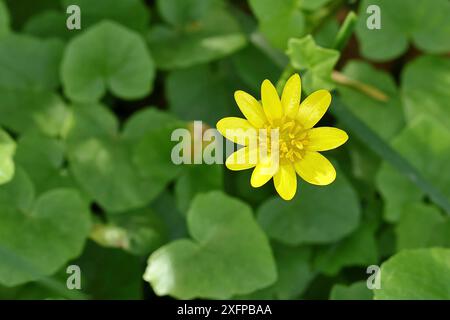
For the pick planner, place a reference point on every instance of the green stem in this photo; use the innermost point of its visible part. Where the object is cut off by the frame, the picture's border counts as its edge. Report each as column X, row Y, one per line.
column 345, row 31
column 367, row 89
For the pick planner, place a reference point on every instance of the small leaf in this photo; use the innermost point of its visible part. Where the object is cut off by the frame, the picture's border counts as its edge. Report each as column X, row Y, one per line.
column 228, row 255
column 319, row 63
column 107, row 57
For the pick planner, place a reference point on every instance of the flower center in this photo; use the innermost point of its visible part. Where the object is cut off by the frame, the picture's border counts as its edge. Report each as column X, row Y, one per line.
column 292, row 139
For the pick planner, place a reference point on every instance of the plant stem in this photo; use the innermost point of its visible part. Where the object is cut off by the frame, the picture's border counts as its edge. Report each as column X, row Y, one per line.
column 345, row 31
column 368, row 90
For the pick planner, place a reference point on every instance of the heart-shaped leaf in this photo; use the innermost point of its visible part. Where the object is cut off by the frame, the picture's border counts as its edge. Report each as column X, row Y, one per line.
column 46, row 232
column 228, row 254
column 107, row 56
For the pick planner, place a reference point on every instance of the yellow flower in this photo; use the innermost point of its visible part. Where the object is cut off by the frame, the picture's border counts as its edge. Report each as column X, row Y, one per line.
column 297, row 143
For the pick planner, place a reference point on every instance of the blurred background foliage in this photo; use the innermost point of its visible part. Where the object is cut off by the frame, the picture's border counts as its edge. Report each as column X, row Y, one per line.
column 85, row 170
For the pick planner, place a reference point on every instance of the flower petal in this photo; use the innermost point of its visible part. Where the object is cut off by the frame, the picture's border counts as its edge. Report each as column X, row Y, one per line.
column 244, row 158
column 270, row 101
column 237, row 130
column 263, row 172
column 290, row 99
column 285, row 181
column 315, row 169
column 313, row 108
column 325, row 138
column 250, row 108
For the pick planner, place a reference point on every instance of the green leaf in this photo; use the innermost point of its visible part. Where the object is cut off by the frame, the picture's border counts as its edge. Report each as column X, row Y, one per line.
column 29, row 63
column 426, row 144
column 425, row 83
column 121, row 171
column 355, row 291
column 44, row 160
column 195, row 179
column 422, row 226
column 215, row 35
column 28, row 75
column 7, row 151
column 201, row 93
column 421, row 274
column 4, row 20
column 132, row 14
column 46, row 231
column 358, row 249
column 319, row 63
column 384, row 118
column 279, row 21
column 422, row 22
column 228, row 254
column 316, row 215
column 107, row 57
